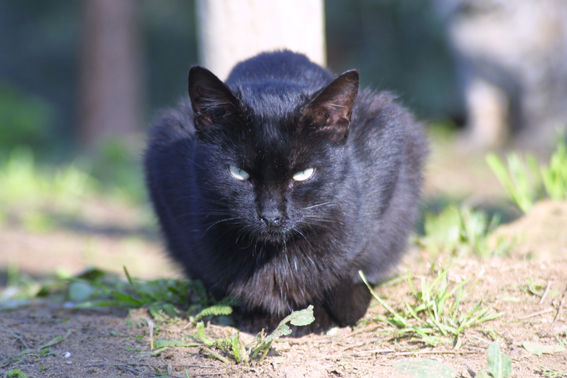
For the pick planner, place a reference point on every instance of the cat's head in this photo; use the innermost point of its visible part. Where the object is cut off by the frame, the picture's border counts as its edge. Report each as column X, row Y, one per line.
column 271, row 157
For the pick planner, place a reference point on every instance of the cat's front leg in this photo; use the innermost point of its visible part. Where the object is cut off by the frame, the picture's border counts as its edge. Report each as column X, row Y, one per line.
column 254, row 321
column 348, row 302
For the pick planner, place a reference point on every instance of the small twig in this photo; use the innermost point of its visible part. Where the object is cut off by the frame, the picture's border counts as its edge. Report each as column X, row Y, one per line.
column 360, row 353
column 21, row 340
column 304, row 341
column 151, row 331
column 55, row 340
column 545, row 292
column 214, row 354
column 368, row 328
column 355, row 346
column 560, row 306
column 536, row 314
column 189, row 324
column 410, row 353
column 482, row 339
column 419, row 352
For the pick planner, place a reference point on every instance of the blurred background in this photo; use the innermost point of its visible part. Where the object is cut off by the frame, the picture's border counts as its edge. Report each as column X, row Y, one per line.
column 80, row 82
column 55, row 54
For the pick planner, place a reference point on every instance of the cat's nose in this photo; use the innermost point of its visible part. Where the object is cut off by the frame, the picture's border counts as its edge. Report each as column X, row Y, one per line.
column 270, row 211
column 272, row 219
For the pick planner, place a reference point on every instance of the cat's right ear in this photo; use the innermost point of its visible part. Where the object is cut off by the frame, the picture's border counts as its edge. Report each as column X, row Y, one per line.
column 211, row 99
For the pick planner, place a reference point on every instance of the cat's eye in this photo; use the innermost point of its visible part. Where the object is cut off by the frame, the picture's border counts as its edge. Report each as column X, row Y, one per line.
column 303, row 175
column 239, row 174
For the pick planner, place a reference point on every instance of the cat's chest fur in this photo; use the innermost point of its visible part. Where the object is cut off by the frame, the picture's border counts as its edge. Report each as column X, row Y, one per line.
column 278, row 186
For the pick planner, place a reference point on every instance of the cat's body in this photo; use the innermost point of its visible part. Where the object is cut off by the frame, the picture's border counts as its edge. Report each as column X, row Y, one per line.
column 280, row 186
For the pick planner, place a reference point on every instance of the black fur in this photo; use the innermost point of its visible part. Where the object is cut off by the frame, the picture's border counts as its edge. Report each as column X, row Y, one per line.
column 274, row 243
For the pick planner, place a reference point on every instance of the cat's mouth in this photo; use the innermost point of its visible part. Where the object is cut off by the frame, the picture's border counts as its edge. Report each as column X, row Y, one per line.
column 275, row 233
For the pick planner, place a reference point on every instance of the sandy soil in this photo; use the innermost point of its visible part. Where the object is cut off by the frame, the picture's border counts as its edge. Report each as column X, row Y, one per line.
column 116, row 342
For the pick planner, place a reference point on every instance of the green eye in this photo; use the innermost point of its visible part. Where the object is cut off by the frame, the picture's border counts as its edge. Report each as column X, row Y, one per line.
column 303, row 175
column 239, row 174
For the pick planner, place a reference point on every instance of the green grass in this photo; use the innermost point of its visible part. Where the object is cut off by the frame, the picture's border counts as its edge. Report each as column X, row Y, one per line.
column 535, row 289
column 554, row 175
column 233, row 348
column 43, row 350
column 15, row 373
column 19, row 289
column 437, row 313
column 423, row 368
column 499, row 365
column 461, row 231
column 97, row 288
column 39, row 198
column 527, row 182
column 124, row 181
column 519, row 177
column 24, row 181
column 166, row 300
column 42, row 198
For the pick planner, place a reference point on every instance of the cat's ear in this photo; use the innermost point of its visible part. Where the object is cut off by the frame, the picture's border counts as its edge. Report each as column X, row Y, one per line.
column 211, row 99
column 330, row 110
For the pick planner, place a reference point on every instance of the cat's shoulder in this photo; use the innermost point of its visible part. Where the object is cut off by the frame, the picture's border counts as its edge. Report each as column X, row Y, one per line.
column 380, row 119
column 380, row 109
column 173, row 124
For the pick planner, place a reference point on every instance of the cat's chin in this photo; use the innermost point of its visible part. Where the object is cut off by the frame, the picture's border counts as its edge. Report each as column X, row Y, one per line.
column 274, row 236
column 279, row 236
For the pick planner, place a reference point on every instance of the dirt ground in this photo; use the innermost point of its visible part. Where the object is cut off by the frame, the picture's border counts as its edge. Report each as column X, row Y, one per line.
column 114, row 342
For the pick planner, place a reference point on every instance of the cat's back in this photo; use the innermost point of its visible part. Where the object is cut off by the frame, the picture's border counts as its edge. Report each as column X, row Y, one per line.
column 279, row 66
column 381, row 124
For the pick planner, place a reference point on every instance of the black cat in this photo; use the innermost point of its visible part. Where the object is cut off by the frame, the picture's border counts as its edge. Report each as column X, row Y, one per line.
column 278, row 186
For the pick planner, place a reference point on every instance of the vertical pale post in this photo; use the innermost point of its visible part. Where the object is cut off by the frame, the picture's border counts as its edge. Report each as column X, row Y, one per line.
column 230, row 31
column 110, row 72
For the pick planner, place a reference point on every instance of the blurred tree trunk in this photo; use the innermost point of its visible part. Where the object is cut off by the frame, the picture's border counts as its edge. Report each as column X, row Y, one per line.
column 230, row 31
column 110, row 81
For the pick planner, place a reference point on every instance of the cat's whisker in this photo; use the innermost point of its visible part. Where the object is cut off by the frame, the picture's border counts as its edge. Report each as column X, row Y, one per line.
column 320, row 219
column 304, row 237
column 318, row 205
column 219, row 222
column 244, row 232
column 317, row 220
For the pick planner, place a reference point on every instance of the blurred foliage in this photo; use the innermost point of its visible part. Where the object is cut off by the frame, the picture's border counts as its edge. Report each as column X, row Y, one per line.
column 527, row 182
column 554, row 175
column 29, row 118
column 397, row 45
column 169, row 33
column 118, row 171
column 519, row 177
column 39, row 45
column 37, row 195
column 461, row 231
column 41, row 40
column 25, row 181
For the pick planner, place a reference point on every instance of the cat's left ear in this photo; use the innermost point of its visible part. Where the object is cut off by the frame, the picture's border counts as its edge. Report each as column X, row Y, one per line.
column 330, row 111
